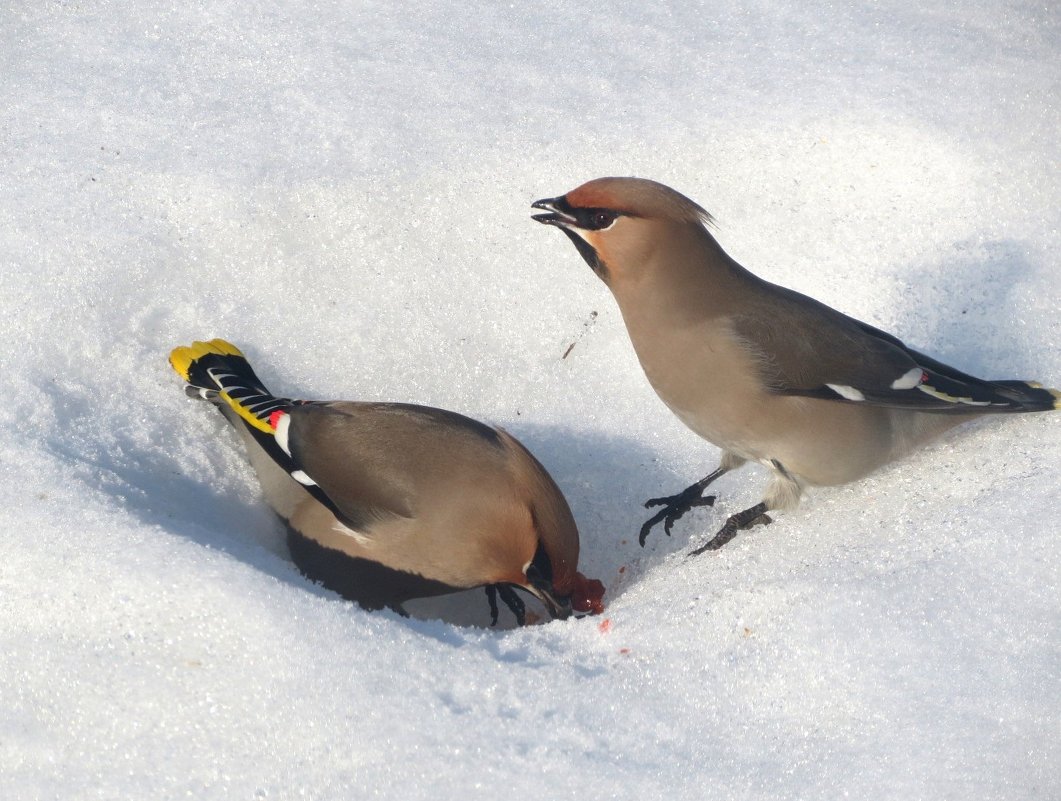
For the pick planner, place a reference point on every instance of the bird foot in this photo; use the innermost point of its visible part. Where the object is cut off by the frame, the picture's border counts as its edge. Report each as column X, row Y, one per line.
column 510, row 599
column 755, row 516
column 674, row 506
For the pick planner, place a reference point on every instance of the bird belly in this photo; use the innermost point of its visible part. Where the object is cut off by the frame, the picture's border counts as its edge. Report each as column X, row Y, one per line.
column 816, row 442
column 826, row 443
column 829, row 442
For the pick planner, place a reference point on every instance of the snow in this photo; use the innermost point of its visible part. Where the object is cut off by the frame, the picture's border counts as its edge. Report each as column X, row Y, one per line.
column 343, row 190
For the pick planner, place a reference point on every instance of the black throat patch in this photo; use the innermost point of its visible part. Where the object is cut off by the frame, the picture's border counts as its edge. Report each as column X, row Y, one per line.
column 589, row 254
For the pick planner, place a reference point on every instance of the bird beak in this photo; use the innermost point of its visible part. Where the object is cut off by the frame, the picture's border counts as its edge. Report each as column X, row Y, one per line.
column 557, row 215
column 558, row 607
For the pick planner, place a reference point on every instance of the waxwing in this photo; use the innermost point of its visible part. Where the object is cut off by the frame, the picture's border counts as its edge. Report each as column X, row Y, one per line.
column 386, row 502
column 763, row 372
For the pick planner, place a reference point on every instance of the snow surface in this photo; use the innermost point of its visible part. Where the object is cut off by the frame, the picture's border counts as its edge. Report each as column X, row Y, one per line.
column 343, row 189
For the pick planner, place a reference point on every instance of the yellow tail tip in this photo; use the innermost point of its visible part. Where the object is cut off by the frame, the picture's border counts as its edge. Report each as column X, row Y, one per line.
column 181, row 358
column 1056, row 394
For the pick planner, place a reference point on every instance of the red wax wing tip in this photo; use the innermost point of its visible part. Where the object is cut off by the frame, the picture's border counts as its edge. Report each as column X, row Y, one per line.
column 588, row 595
column 274, row 418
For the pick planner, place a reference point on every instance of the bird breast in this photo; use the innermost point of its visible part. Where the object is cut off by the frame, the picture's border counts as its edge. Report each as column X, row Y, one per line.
column 706, row 378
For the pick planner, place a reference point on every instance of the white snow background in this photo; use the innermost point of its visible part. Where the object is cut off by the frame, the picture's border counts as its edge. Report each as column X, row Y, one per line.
column 343, row 190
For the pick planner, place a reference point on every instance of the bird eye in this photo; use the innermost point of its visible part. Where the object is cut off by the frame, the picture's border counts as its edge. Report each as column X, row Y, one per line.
column 602, row 218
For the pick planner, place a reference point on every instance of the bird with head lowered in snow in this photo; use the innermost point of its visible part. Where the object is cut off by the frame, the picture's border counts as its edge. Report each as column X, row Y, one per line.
column 763, row 372
column 387, row 502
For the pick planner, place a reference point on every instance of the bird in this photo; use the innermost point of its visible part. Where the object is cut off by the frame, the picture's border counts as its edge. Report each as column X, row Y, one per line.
column 387, row 502
column 766, row 374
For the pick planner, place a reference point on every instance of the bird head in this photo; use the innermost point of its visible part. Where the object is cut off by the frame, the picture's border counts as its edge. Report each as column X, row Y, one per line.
column 561, row 592
column 550, row 585
column 617, row 223
column 537, row 551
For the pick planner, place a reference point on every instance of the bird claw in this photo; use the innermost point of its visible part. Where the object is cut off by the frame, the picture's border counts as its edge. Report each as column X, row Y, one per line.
column 674, row 507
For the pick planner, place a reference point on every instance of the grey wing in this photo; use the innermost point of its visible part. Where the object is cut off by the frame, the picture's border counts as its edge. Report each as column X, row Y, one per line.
column 373, row 460
column 329, row 462
column 811, row 350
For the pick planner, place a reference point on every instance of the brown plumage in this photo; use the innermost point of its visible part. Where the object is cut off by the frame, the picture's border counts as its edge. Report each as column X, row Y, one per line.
column 386, row 502
column 765, row 373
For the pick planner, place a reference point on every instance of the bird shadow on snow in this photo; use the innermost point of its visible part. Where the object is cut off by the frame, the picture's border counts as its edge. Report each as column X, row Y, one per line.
column 604, row 478
column 964, row 310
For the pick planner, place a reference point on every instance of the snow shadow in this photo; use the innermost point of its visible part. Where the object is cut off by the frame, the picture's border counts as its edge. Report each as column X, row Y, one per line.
column 967, row 310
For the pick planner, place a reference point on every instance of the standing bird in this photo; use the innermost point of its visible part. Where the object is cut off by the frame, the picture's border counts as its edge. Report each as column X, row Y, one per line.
column 766, row 374
column 386, row 502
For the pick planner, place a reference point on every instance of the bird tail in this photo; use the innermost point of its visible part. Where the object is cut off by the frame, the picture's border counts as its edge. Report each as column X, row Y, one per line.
column 218, row 371
column 1029, row 396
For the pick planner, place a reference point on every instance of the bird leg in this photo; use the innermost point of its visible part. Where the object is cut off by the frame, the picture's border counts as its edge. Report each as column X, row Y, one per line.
column 511, row 600
column 742, row 520
column 674, row 506
column 491, row 598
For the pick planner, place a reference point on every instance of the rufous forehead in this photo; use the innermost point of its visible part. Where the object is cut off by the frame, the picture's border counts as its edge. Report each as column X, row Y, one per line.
column 594, row 195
